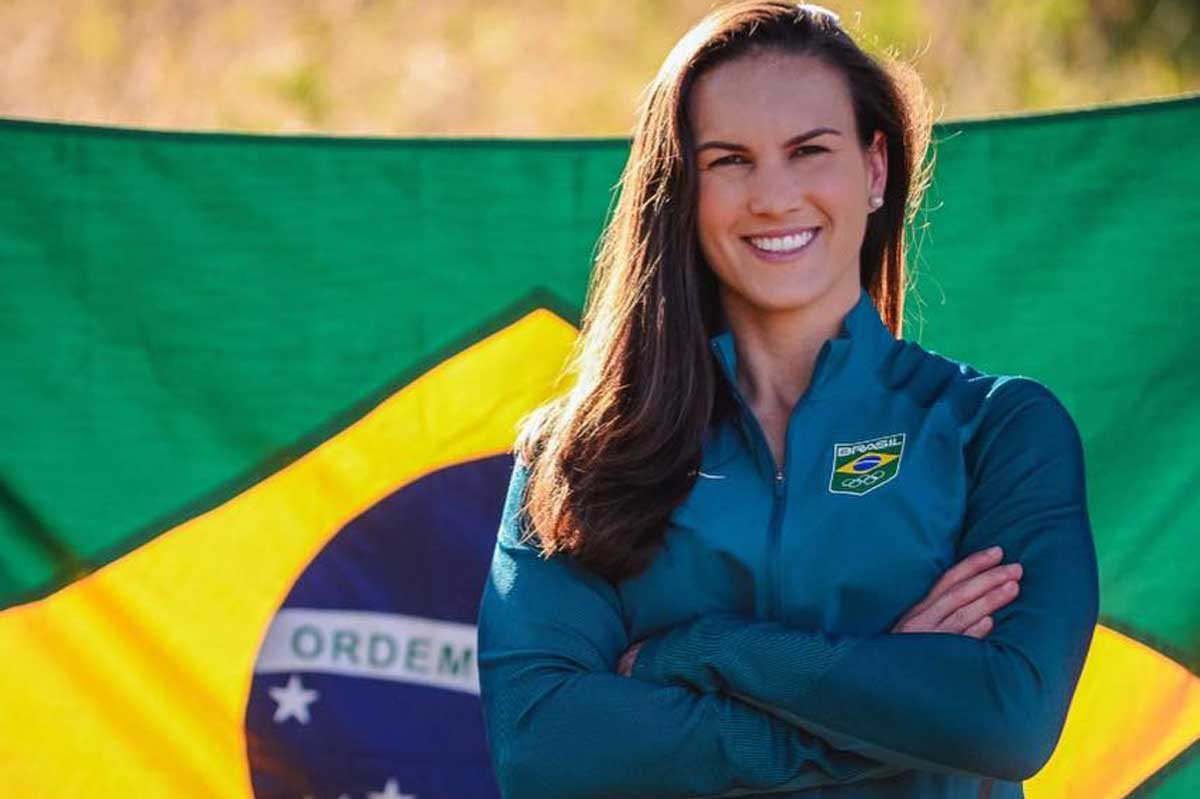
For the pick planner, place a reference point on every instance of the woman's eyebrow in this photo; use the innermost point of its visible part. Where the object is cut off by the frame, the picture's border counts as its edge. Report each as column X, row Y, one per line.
column 725, row 145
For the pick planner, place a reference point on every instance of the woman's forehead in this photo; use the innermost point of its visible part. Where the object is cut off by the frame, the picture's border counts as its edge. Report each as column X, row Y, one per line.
column 768, row 95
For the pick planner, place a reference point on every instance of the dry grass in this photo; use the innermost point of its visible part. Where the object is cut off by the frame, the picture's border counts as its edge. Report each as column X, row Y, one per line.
column 531, row 68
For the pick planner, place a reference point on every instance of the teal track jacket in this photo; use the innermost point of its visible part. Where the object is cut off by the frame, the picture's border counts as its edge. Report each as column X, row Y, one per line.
column 768, row 668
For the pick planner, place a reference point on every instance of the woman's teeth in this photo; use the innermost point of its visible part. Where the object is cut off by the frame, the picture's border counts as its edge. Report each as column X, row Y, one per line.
column 783, row 243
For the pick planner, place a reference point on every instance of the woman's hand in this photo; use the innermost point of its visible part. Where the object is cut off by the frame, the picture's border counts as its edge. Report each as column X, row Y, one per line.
column 625, row 664
column 962, row 600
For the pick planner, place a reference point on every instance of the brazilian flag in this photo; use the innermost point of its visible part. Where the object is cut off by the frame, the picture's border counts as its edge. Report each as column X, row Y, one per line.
column 258, row 394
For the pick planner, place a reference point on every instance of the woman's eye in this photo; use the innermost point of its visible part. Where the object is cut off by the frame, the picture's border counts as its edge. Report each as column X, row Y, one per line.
column 729, row 159
column 735, row 159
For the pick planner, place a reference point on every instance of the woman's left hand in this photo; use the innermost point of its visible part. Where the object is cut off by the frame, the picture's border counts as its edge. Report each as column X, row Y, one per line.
column 625, row 664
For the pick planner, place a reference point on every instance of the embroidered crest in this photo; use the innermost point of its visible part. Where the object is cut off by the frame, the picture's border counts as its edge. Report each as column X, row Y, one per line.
column 865, row 465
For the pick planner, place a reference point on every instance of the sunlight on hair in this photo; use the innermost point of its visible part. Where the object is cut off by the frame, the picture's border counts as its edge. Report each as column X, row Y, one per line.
column 813, row 8
column 684, row 50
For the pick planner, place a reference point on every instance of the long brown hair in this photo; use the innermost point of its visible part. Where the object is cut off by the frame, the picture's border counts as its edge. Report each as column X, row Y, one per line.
column 610, row 459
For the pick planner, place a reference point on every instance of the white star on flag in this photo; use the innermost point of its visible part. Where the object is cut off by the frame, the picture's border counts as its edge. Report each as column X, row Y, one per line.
column 293, row 700
column 390, row 791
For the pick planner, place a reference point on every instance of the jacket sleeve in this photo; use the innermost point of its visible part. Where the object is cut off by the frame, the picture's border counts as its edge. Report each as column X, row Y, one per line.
column 560, row 720
column 939, row 701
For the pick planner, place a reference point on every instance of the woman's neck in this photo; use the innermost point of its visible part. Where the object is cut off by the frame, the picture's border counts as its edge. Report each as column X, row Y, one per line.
column 777, row 351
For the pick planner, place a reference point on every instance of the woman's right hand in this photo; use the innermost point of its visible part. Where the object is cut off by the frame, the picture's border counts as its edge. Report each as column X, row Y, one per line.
column 963, row 599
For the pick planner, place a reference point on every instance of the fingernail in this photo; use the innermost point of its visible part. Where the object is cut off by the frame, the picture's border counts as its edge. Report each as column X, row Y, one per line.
column 993, row 552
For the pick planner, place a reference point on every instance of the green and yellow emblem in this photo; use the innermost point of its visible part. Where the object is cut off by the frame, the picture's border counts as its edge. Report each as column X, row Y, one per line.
column 865, row 465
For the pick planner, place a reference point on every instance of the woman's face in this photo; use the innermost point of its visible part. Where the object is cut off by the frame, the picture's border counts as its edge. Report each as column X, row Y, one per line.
column 783, row 183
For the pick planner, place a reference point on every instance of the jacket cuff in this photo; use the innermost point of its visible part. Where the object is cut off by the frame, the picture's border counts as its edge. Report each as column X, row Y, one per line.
column 686, row 653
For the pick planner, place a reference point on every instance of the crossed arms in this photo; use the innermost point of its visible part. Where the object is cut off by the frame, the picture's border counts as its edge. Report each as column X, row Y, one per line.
column 725, row 705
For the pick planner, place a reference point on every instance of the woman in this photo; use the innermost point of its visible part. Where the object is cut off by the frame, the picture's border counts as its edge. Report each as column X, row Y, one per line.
column 724, row 563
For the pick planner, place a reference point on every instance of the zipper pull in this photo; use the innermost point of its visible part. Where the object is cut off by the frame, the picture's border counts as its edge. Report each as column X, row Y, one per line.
column 779, row 483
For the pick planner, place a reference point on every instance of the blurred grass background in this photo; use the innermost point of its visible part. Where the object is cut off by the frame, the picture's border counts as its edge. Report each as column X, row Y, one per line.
column 533, row 67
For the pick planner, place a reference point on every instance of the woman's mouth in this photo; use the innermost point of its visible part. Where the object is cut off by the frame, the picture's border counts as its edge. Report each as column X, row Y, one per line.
column 782, row 248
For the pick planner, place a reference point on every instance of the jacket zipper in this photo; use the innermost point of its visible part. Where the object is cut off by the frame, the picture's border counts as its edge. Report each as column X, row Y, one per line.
column 779, row 498
column 776, row 523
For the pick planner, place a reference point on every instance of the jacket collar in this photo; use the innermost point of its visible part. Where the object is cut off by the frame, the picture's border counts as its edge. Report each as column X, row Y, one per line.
column 844, row 363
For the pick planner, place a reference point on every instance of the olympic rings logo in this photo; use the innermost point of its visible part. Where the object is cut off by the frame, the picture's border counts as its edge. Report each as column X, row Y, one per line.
column 865, row 480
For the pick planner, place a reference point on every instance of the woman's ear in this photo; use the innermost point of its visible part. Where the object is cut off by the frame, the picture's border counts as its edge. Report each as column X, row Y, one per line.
column 877, row 167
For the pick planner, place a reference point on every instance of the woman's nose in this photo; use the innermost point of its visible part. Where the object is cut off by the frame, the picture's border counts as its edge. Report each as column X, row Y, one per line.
column 773, row 192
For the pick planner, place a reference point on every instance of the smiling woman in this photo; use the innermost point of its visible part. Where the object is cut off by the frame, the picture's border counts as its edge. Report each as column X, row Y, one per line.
column 757, row 547
column 781, row 217
column 772, row 196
